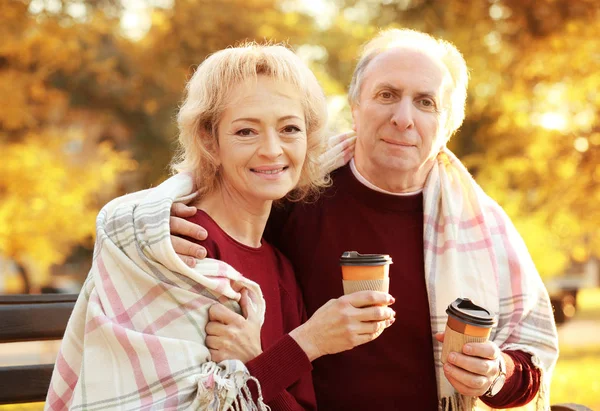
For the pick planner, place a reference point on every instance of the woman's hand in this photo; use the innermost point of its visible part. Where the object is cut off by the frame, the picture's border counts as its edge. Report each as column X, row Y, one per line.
column 473, row 371
column 344, row 323
column 229, row 336
column 185, row 249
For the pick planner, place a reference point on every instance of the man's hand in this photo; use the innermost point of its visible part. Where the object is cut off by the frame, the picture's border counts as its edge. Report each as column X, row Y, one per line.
column 344, row 323
column 185, row 249
column 340, row 149
column 473, row 371
column 230, row 336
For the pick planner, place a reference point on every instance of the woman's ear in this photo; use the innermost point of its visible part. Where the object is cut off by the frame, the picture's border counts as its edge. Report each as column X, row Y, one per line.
column 211, row 146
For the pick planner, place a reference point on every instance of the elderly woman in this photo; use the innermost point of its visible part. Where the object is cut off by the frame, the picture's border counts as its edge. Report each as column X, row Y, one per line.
column 250, row 134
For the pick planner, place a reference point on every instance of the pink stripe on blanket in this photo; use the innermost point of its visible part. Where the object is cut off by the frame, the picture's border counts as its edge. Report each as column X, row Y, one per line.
column 163, row 371
column 515, row 277
column 93, row 323
column 149, row 297
column 116, row 305
column 134, row 360
column 69, row 377
column 175, row 313
column 57, row 403
column 465, row 224
column 462, row 247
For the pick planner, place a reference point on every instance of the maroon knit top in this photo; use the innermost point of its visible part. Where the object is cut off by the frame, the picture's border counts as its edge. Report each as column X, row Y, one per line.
column 283, row 369
column 396, row 371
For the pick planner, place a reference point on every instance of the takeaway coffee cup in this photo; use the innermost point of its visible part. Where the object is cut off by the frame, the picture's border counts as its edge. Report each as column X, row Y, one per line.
column 467, row 322
column 365, row 272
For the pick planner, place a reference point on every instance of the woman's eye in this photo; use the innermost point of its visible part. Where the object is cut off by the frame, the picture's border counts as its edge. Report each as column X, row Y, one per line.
column 245, row 132
column 291, row 129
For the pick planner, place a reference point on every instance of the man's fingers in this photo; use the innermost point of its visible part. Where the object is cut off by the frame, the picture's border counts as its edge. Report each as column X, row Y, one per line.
column 340, row 138
column 181, row 227
column 187, row 248
column 220, row 313
column 440, row 337
column 182, row 210
column 468, row 380
column 368, row 298
column 475, row 365
column 462, row 388
column 484, row 350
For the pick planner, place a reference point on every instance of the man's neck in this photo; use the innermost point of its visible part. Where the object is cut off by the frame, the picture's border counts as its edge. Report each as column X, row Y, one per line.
column 393, row 182
column 372, row 186
column 241, row 220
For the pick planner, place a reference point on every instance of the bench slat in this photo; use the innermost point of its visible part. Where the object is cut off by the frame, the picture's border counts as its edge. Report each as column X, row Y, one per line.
column 34, row 322
column 11, row 299
column 27, row 383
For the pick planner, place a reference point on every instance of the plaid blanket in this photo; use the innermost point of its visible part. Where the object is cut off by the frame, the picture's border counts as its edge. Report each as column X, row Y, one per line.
column 135, row 339
column 473, row 250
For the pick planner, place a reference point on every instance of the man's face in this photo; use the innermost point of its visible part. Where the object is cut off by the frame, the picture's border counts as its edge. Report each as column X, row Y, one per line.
column 399, row 118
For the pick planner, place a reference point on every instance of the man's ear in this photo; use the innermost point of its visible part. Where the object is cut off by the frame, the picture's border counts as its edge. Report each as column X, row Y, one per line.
column 354, row 111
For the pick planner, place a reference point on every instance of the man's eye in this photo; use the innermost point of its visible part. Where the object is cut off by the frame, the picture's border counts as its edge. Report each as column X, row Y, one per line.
column 386, row 95
column 427, row 103
column 291, row 129
column 245, row 132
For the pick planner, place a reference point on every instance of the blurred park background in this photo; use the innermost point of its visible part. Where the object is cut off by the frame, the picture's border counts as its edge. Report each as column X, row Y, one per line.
column 89, row 90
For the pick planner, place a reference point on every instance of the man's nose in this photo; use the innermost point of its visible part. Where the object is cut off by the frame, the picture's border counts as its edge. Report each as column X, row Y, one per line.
column 270, row 144
column 402, row 116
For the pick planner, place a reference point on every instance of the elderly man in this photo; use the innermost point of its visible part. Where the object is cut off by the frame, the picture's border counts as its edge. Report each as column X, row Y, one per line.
column 404, row 194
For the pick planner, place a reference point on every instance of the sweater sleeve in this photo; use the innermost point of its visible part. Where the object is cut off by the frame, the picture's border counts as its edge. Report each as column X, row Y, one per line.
column 522, row 382
column 283, row 369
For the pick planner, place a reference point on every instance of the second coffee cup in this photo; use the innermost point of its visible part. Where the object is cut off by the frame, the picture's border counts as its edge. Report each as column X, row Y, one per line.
column 467, row 322
column 365, row 272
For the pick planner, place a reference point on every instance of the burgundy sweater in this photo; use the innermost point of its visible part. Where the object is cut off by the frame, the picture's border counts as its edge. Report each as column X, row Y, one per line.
column 283, row 369
column 396, row 371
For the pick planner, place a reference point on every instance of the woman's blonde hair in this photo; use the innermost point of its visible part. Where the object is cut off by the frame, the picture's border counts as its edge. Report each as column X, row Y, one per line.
column 206, row 98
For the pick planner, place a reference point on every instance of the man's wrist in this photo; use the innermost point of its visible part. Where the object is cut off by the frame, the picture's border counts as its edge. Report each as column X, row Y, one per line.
column 500, row 378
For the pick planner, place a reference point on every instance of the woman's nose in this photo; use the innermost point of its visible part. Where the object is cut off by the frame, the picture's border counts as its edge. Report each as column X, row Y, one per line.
column 270, row 145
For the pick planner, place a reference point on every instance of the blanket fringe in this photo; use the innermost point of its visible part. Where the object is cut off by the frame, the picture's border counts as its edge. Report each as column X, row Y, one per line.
column 216, row 386
column 457, row 402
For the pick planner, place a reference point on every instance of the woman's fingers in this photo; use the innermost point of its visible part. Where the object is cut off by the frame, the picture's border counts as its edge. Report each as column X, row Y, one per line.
column 375, row 313
column 368, row 298
column 216, row 329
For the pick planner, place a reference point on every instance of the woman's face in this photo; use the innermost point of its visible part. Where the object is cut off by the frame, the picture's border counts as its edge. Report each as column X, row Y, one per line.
column 262, row 140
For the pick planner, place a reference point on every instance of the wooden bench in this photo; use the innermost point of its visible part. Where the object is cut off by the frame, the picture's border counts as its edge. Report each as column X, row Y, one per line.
column 31, row 318
column 44, row 317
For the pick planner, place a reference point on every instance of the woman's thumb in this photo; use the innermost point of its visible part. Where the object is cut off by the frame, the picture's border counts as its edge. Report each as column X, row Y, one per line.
column 248, row 306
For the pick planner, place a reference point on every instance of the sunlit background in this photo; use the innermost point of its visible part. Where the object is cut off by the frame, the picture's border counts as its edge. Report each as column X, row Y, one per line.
column 89, row 91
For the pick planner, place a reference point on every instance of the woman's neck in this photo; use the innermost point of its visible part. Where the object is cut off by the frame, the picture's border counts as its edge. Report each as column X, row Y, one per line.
column 243, row 220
